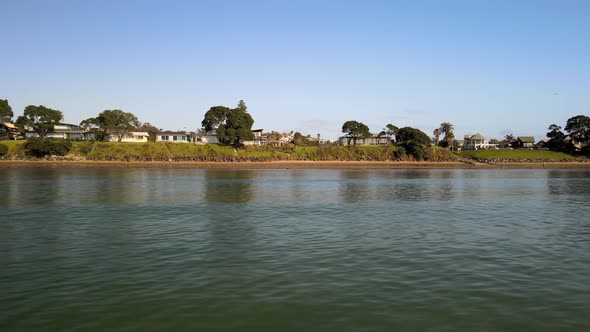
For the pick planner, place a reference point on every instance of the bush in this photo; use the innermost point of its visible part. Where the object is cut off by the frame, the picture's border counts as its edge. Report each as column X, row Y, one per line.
column 41, row 147
column 3, row 149
column 415, row 150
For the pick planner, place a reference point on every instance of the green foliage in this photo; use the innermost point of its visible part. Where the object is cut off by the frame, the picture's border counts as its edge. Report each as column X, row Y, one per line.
column 355, row 130
column 232, row 125
column 409, row 135
column 151, row 130
column 5, row 111
column 3, row 150
column 113, row 122
column 447, row 129
column 415, row 150
column 300, row 140
column 40, row 118
column 578, row 127
column 41, row 147
column 519, row 154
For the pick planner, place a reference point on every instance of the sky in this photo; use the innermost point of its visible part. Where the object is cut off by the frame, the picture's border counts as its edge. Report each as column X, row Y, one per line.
column 489, row 67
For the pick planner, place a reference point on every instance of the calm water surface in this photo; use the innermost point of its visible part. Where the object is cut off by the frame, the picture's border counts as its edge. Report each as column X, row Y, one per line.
column 294, row 250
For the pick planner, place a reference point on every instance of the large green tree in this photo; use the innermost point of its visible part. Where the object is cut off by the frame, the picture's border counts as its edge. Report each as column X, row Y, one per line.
column 409, row 135
column 5, row 111
column 557, row 139
column 232, row 125
column 113, row 122
column 355, row 130
column 578, row 127
column 40, row 118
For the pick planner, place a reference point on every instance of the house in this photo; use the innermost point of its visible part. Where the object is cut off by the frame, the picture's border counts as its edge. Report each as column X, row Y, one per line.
column 524, row 142
column 8, row 131
column 476, row 142
column 131, row 137
column 173, row 136
column 209, row 137
column 65, row 131
column 543, row 144
column 374, row 139
column 259, row 139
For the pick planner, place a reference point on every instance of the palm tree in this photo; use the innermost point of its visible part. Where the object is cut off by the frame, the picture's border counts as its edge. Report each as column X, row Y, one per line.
column 447, row 129
column 436, row 134
column 509, row 138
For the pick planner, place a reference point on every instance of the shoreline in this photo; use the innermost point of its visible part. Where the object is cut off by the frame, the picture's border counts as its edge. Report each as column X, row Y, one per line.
column 288, row 165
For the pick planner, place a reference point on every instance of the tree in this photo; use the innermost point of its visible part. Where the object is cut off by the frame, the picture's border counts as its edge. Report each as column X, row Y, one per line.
column 215, row 117
column 40, row 118
column 298, row 139
column 437, row 132
column 151, row 130
column 409, row 135
column 355, row 130
column 447, row 129
column 391, row 130
column 509, row 138
column 557, row 140
column 5, row 111
column 232, row 125
column 115, row 122
column 578, row 128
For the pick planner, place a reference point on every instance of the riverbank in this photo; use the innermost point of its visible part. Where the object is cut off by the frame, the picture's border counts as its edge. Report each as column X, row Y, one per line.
column 287, row 165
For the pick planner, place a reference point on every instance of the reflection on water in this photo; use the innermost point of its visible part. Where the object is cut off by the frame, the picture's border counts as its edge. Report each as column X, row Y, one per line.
column 444, row 250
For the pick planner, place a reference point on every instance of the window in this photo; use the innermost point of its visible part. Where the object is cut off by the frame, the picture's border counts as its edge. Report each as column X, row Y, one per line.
column 175, row 138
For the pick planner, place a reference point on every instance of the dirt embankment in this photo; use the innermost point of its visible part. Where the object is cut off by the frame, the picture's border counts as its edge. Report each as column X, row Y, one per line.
column 287, row 165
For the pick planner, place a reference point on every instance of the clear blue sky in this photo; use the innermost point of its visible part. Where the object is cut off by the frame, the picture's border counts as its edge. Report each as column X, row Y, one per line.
column 486, row 66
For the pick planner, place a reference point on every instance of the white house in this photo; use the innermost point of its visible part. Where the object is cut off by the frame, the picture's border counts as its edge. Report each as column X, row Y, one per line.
column 209, row 137
column 172, row 136
column 131, row 137
column 476, row 142
column 259, row 139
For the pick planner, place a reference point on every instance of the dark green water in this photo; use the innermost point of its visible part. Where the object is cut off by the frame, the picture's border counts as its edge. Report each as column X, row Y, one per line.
column 294, row 250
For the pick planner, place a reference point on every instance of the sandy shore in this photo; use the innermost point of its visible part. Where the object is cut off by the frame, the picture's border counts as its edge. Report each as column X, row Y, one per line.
column 287, row 165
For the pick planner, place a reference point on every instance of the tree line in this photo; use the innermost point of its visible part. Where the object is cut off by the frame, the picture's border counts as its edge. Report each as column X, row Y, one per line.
column 234, row 125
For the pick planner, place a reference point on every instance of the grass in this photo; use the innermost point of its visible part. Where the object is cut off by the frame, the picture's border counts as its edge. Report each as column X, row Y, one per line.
column 15, row 148
column 518, row 154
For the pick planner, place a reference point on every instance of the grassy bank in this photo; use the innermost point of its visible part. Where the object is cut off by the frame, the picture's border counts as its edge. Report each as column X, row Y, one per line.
column 113, row 151
column 516, row 155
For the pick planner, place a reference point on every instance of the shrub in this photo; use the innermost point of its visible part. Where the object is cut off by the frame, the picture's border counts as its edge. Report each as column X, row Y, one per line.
column 3, row 149
column 41, row 147
column 415, row 150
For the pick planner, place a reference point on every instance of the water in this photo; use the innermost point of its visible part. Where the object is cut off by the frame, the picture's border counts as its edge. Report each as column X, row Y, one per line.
column 294, row 250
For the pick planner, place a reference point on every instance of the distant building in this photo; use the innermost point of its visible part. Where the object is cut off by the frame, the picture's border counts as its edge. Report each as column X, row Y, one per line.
column 131, row 137
column 476, row 142
column 173, row 136
column 524, row 142
column 8, row 131
column 209, row 137
column 65, row 131
column 374, row 139
column 259, row 139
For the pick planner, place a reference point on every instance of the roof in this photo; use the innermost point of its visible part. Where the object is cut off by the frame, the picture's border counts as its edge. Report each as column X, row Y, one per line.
column 139, row 133
column 526, row 139
column 476, row 136
column 8, row 125
column 260, row 130
column 168, row 132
